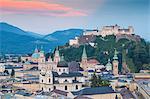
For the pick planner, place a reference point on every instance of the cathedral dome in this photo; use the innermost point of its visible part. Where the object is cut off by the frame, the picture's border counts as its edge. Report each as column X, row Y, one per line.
column 35, row 55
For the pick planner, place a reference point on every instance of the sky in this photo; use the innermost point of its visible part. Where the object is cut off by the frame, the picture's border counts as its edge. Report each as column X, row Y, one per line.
column 47, row 16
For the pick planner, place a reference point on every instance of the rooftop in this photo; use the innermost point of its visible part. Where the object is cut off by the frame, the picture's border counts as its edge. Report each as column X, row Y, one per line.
column 60, row 92
column 145, row 85
column 96, row 90
column 71, row 74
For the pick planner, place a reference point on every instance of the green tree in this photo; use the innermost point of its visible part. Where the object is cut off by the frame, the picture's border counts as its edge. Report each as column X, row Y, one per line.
column 96, row 81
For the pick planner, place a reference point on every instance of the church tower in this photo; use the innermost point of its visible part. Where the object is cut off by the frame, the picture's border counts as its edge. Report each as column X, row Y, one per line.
column 41, row 56
column 84, row 59
column 50, row 59
column 109, row 66
column 36, row 50
column 115, row 63
column 46, row 77
column 56, row 56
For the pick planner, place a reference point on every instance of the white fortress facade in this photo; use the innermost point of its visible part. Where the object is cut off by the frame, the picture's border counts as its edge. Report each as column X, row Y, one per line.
column 106, row 30
column 110, row 30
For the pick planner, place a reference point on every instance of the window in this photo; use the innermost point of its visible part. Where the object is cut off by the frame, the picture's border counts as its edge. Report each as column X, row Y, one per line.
column 54, row 87
column 76, row 86
column 60, row 70
column 42, row 80
column 64, row 70
column 49, row 80
column 75, row 78
column 42, row 88
column 65, row 87
column 49, row 89
column 65, row 80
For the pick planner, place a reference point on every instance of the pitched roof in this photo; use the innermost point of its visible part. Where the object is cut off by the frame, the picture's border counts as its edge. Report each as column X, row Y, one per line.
column 59, row 92
column 93, row 61
column 71, row 74
column 62, row 64
column 96, row 90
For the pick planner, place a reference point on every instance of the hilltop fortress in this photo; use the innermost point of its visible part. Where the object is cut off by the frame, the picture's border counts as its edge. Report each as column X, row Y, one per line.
column 110, row 30
column 89, row 36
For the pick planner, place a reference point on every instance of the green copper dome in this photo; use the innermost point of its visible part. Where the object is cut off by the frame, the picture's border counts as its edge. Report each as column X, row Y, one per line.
column 35, row 55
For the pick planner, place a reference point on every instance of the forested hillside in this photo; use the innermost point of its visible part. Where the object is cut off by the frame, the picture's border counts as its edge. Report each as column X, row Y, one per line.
column 135, row 54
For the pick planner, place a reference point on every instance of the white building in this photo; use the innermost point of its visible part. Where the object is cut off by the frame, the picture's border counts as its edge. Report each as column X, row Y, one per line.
column 2, row 67
column 60, row 79
column 73, row 41
column 110, row 30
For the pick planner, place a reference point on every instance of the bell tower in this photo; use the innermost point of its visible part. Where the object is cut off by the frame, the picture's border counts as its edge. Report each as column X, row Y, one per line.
column 115, row 63
column 84, row 59
column 56, row 56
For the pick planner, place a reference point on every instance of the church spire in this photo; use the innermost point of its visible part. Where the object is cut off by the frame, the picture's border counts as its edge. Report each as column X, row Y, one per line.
column 84, row 55
column 57, row 52
column 115, row 55
column 41, row 50
column 62, row 58
column 56, row 56
column 50, row 59
column 36, row 49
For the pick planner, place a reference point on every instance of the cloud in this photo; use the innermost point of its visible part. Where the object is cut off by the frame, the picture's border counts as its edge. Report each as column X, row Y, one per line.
column 38, row 7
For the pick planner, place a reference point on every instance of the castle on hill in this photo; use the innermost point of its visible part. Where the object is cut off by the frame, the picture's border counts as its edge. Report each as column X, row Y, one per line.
column 110, row 30
column 89, row 36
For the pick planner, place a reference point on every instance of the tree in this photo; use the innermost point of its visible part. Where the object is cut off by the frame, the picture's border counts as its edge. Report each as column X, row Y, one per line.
column 96, row 81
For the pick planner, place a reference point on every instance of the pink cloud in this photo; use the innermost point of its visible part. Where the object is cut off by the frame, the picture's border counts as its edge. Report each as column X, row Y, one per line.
column 42, row 8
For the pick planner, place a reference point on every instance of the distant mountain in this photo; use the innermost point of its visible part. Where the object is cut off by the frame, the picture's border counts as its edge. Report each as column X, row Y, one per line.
column 10, row 28
column 35, row 34
column 16, row 40
column 62, row 37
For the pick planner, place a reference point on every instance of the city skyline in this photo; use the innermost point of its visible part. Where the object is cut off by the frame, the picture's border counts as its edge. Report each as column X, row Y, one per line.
column 47, row 16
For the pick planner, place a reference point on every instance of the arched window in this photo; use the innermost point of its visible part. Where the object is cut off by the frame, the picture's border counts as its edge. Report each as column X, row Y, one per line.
column 49, row 89
column 60, row 70
column 54, row 87
column 65, row 87
column 64, row 70
column 76, row 86
column 42, row 80
column 42, row 88
column 49, row 80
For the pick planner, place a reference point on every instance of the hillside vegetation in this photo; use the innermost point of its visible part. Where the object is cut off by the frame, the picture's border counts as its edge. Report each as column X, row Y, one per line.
column 135, row 54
